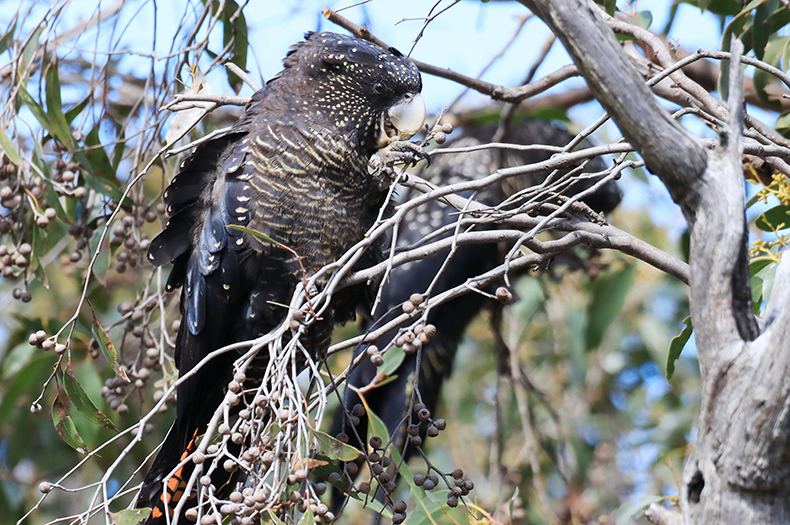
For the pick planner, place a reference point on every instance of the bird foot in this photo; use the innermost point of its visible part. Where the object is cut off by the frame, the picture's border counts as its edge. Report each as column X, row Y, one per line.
column 382, row 164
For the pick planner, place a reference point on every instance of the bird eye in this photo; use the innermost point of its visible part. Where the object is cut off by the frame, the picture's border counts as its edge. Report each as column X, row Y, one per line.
column 379, row 87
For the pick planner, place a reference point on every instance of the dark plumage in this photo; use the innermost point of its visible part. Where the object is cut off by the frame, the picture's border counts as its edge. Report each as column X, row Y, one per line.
column 293, row 167
column 390, row 401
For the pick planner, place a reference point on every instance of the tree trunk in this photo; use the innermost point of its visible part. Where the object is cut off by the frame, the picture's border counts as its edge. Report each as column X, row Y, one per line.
column 740, row 470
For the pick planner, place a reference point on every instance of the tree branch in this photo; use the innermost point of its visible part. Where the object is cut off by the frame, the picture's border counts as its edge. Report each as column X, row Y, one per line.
column 670, row 152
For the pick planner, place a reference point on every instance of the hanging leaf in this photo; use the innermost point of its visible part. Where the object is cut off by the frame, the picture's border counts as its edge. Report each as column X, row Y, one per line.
column 392, row 361
column 106, row 346
column 65, row 427
column 59, row 128
column 609, row 293
column 334, row 448
column 7, row 146
column 130, row 516
column 235, row 30
column 677, row 345
column 82, row 402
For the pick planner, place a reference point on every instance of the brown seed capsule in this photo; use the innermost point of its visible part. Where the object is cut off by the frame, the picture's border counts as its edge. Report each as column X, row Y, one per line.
column 457, row 473
column 364, row 487
column 419, row 479
column 440, row 137
column 358, row 410
column 452, row 501
column 408, row 307
column 375, row 442
column 432, row 431
column 447, row 128
column 372, row 349
column 503, row 295
column 376, row 360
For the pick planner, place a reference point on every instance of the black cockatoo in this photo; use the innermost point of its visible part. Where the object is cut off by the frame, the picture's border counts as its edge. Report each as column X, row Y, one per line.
column 390, row 401
column 294, row 167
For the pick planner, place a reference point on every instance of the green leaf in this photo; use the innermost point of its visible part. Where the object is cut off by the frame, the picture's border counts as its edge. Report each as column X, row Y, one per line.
column 644, row 19
column 271, row 517
column 608, row 5
column 32, row 45
column 609, row 293
column 777, row 218
column 59, row 128
column 235, row 29
column 768, row 282
column 392, row 361
column 376, row 426
column 772, row 54
column 549, row 114
column 106, row 346
column 53, row 200
column 334, row 448
column 39, row 247
column 65, row 427
column 761, row 29
column 130, row 516
column 72, row 113
column 737, row 27
column 677, row 345
column 756, row 265
column 101, row 174
column 7, row 146
column 24, row 98
column 6, row 39
column 82, row 402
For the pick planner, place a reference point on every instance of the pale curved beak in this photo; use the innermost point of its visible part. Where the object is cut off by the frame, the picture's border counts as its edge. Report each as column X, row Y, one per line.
column 403, row 120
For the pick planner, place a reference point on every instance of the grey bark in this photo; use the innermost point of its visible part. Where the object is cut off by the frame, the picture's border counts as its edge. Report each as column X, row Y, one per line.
column 739, row 471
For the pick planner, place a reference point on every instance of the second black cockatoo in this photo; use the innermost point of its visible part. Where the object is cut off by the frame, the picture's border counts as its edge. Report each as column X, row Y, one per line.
column 294, row 167
column 391, row 400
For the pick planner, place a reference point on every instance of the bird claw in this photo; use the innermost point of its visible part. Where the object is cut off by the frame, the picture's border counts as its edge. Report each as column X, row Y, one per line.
column 382, row 164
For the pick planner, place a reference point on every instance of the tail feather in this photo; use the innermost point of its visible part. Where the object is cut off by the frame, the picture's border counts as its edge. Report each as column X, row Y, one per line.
column 153, row 493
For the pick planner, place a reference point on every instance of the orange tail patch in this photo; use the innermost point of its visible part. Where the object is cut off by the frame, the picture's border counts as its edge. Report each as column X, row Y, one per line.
column 175, row 485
